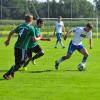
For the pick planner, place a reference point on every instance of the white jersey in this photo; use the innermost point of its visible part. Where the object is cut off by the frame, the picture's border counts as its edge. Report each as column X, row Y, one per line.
column 59, row 26
column 79, row 34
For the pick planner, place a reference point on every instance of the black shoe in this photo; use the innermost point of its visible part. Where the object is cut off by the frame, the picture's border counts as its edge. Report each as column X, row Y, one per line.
column 12, row 74
column 56, row 65
column 7, row 77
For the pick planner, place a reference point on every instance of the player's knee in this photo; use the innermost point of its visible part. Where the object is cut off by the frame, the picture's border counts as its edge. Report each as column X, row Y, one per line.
column 86, row 55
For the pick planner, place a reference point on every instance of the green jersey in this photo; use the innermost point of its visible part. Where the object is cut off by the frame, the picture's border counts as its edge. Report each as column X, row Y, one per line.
column 25, row 33
column 37, row 33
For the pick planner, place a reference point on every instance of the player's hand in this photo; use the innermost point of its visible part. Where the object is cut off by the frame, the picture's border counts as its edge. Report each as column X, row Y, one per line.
column 6, row 42
column 65, row 37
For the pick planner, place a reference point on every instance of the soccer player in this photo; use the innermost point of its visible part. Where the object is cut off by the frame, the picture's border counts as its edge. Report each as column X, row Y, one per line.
column 33, row 46
column 59, row 28
column 79, row 33
column 25, row 32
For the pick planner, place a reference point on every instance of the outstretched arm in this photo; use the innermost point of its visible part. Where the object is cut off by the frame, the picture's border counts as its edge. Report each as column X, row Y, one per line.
column 40, row 37
column 67, row 34
column 9, row 37
column 54, row 31
column 45, row 39
column 63, row 28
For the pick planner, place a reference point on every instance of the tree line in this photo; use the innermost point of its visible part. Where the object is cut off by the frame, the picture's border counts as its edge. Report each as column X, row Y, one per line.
column 16, row 9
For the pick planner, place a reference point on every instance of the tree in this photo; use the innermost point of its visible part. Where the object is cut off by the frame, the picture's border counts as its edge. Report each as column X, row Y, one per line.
column 98, row 6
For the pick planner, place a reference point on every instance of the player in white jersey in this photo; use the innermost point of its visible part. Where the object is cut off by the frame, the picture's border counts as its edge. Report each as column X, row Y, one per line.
column 59, row 28
column 79, row 33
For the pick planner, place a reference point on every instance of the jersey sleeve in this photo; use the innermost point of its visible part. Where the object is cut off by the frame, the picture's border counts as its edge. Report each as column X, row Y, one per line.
column 73, row 29
column 32, row 32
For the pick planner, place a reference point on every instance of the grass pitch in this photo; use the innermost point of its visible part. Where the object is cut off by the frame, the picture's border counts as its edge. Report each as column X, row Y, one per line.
column 43, row 82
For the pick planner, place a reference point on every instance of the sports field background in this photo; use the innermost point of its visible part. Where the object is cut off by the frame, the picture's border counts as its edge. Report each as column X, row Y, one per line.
column 43, row 82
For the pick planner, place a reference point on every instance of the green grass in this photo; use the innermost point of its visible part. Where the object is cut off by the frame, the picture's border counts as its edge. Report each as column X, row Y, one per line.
column 42, row 82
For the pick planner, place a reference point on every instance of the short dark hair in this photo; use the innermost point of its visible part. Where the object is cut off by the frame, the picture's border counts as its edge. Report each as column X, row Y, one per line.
column 39, row 21
column 89, row 25
column 28, row 17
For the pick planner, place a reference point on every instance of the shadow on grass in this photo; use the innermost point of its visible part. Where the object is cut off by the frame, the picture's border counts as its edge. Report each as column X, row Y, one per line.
column 71, row 70
column 74, row 70
column 41, row 71
column 3, row 71
column 1, row 79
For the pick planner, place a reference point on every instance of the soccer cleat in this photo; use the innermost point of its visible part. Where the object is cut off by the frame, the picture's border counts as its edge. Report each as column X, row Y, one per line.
column 7, row 77
column 56, row 65
column 12, row 74
column 33, row 62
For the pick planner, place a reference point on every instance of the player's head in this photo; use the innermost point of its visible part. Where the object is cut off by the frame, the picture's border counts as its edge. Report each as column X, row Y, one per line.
column 40, row 22
column 28, row 18
column 88, row 27
column 59, row 18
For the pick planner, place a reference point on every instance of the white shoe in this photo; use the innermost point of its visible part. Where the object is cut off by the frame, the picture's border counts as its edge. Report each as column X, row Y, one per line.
column 83, row 64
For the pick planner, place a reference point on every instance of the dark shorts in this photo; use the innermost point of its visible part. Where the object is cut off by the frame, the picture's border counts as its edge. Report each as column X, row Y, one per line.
column 36, row 49
column 20, row 56
column 73, row 47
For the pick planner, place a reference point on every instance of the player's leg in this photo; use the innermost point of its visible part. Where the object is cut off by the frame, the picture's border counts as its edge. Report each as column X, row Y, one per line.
column 71, row 49
column 57, row 36
column 29, row 56
column 18, row 58
column 60, row 40
column 85, row 54
column 57, row 62
column 39, row 52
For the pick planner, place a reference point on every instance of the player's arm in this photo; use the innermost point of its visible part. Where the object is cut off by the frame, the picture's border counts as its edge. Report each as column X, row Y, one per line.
column 90, row 43
column 90, row 40
column 9, row 37
column 37, row 38
column 63, row 28
column 45, row 39
column 54, row 31
column 40, row 37
column 67, row 34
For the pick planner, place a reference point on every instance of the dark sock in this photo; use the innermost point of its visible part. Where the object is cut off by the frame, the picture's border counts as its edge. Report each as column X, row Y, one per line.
column 61, row 59
column 38, row 55
column 84, row 59
column 13, row 69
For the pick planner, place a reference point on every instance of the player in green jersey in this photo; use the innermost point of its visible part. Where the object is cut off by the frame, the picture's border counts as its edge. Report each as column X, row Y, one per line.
column 25, row 32
column 33, row 46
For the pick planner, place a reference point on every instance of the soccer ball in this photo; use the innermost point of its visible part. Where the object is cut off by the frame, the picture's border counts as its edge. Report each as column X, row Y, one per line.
column 81, row 67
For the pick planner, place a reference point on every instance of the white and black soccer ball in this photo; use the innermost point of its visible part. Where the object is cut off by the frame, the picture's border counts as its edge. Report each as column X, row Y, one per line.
column 81, row 67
